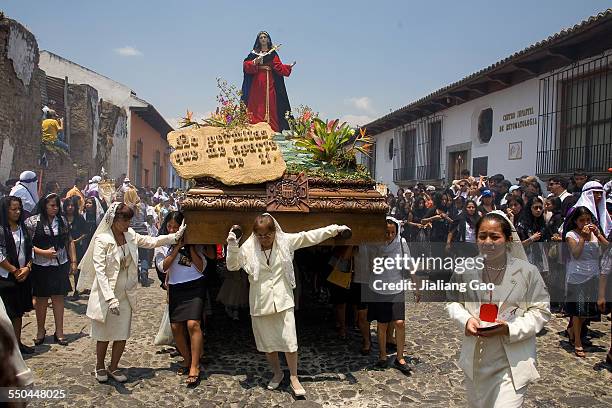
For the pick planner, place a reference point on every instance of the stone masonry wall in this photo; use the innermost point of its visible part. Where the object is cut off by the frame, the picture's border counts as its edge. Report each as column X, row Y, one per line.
column 20, row 101
column 112, row 122
column 84, row 118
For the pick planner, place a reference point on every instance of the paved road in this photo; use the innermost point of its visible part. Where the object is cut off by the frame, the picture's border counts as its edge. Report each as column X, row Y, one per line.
column 332, row 371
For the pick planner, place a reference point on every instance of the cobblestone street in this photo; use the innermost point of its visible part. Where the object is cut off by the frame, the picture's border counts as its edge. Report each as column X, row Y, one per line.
column 332, row 371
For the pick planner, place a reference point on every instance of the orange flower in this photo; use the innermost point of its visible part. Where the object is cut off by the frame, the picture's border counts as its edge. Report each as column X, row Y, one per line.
column 189, row 116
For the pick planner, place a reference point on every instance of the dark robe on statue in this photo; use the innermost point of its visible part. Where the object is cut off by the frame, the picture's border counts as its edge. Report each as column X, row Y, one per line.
column 263, row 89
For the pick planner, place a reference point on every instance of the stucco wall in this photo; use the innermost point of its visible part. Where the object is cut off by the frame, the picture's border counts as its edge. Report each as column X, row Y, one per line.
column 152, row 141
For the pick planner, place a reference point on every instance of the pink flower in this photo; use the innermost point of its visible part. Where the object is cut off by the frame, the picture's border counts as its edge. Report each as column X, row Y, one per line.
column 306, row 116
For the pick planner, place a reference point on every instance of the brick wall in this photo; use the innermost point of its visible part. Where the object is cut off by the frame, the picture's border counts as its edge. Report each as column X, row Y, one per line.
column 20, row 101
column 84, row 120
column 112, row 122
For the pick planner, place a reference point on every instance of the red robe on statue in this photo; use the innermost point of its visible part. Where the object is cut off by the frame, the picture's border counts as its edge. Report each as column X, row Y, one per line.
column 262, row 95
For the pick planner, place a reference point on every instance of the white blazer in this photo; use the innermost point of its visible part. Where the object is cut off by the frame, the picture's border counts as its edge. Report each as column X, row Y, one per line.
column 272, row 292
column 107, row 258
column 528, row 294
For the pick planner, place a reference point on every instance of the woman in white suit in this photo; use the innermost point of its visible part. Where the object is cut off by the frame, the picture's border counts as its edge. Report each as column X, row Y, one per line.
column 267, row 258
column 498, row 354
column 110, row 268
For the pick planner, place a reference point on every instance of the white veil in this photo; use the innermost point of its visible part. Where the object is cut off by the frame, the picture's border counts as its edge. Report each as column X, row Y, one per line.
column 599, row 211
column 86, row 265
column 254, row 254
column 26, row 189
column 516, row 249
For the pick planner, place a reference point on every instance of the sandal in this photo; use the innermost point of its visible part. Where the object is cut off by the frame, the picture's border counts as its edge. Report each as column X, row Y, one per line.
column 579, row 352
column 182, row 370
column 193, row 381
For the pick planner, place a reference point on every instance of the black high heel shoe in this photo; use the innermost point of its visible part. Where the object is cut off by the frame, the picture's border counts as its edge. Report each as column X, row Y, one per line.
column 40, row 340
column 61, row 342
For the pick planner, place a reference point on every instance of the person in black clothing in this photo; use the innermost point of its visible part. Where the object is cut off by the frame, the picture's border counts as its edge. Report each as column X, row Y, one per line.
column 15, row 265
column 531, row 228
column 487, row 204
column 463, row 232
column 440, row 221
column 458, row 207
column 54, row 257
column 78, row 232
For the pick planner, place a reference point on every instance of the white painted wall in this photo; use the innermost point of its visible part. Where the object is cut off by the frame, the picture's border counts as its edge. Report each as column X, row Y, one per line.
column 384, row 165
column 460, row 125
column 108, row 89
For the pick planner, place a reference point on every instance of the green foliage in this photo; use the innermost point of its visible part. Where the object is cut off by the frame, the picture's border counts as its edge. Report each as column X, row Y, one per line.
column 326, row 142
column 332, row 173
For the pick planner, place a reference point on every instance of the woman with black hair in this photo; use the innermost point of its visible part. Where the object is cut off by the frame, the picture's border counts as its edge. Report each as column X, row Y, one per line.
column 78, row 232
column 439, row 218
column 464, row 231
column 487, row 203
column 54, row 258
column 515, row 208
column 15, row 265
column 263, row 88
column 184, row 267
column 583, row 238
column 531, row 227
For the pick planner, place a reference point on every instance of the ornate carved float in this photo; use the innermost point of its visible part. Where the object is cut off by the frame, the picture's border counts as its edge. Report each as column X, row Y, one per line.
column 298, row 202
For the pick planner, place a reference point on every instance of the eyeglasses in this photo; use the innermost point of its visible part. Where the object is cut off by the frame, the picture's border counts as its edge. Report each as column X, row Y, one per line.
column 265, row 236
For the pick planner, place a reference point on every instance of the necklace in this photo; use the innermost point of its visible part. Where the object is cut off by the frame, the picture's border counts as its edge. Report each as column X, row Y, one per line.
column 499, row 272
column 267, row 255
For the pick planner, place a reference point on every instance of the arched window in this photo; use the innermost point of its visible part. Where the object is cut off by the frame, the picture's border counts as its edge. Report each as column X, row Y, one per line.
column 485, row 125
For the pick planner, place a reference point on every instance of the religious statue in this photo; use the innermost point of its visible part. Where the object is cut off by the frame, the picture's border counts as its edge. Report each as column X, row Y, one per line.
column 263, row 88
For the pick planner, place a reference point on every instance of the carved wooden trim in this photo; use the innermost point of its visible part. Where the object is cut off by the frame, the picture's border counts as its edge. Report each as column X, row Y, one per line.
column 289, row 194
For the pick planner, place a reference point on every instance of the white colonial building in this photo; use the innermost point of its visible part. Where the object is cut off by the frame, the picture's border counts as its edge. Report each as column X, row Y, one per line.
column 544, row 110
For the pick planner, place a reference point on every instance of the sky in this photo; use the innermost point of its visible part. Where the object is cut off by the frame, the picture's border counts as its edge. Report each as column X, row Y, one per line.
column 356, row 60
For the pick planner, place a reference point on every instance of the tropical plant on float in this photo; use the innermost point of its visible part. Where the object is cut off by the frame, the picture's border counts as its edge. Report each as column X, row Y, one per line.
column 329, row 144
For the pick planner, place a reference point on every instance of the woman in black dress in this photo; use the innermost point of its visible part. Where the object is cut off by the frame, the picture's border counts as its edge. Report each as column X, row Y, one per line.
column 15, row 265
column 54, row 258
column 78, row 232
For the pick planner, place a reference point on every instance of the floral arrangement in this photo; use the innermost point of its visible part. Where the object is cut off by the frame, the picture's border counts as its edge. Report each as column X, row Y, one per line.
column 231, row 112
column 329, row 143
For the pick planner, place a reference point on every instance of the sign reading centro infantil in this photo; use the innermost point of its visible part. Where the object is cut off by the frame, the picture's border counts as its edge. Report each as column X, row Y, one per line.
column 519, row 119
column 237, row 156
